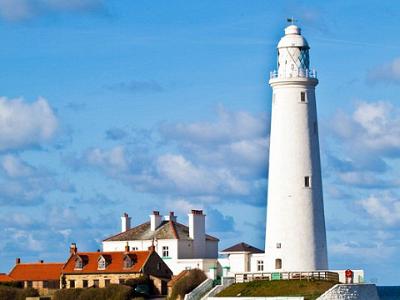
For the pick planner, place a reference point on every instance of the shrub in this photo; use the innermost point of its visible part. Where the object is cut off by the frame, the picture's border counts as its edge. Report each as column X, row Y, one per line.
column 134, row 282
column 112, row 292
column 12, row 293
column 68, row 294
column 187, row 284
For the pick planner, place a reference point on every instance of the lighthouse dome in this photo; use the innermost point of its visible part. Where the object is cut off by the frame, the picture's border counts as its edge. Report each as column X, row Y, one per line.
column 293, row 38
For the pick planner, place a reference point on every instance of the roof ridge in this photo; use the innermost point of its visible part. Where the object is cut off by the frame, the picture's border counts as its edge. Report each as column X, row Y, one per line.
column 120, row 233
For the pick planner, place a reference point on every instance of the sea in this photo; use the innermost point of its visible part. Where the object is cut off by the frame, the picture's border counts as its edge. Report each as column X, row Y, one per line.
column 389, row 292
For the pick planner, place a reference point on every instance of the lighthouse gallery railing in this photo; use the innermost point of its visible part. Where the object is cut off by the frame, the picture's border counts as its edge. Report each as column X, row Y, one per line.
column 301, row 73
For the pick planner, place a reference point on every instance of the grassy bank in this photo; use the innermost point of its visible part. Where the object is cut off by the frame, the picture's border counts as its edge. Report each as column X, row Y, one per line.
column 310, row 290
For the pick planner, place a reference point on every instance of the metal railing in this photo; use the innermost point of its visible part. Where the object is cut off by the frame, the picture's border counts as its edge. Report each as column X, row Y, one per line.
column 315, row 275
column 301, row 73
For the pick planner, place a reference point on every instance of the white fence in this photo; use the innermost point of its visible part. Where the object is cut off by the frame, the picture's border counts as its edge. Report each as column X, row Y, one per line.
column 200, row 291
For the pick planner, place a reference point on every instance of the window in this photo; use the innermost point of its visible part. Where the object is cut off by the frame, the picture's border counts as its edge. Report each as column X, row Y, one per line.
column 121, row 281
column 307, row 181
column 96, row 283
column 303, row 96
column 78, row 263
column 45, row 284
column 107, row 282
column 84, row 283
column 72, row 284
column 278, row 245
column 165, row 251
column 101, row 265
column 135, row 248
column 278, row 263
column 29, row 284
column 260, row 265
column 128, row 262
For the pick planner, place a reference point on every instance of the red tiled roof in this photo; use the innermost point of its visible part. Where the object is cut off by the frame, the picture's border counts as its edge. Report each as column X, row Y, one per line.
column 5, row 278
column 36, row 271
column 115, row 265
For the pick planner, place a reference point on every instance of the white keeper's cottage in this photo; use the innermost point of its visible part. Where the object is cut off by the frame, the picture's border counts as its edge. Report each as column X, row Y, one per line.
column 180, row 246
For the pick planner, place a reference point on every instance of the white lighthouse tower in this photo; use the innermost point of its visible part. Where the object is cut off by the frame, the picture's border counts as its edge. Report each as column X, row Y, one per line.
column 295, row 235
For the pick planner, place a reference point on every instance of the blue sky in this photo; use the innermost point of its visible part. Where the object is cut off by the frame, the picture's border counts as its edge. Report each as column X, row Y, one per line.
column 114, row 106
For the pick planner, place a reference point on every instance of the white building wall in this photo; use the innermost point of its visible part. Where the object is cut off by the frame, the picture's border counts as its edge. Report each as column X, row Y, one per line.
column 295, row 216
column 254, row 258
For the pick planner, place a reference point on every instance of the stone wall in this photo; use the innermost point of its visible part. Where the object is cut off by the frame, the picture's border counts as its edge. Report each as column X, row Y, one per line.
column 351, row 292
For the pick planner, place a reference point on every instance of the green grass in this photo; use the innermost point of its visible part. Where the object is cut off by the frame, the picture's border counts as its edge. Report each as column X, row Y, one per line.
column 310, row 290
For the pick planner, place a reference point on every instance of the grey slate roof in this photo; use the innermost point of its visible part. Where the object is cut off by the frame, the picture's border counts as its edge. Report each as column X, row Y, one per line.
column 243, row 247
column 166, row 230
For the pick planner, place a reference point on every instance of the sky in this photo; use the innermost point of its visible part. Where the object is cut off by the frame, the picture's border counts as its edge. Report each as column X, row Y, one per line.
column 121, row 106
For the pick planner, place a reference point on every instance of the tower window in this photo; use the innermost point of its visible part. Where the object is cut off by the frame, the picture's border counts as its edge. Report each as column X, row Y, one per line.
column 303, row 96
column 278, row 245
column 307, row 181
column 278, row 263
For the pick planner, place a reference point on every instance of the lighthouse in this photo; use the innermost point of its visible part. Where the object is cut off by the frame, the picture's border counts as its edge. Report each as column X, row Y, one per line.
column 295, row 232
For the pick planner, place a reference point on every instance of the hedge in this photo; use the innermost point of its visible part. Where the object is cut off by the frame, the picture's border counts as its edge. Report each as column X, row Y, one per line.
column 112, row 292
column 12, row 293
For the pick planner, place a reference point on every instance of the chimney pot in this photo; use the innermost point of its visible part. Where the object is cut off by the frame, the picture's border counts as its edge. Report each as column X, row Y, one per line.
column 73, row 249
column 41, row 261
column 17, row 261
column 155, row 220
column 125, row 222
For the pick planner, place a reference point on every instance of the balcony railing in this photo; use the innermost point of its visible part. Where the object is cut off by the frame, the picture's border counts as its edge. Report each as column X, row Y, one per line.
column 301, row 73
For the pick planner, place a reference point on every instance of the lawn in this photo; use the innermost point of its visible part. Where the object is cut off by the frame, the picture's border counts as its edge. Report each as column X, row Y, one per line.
column 310, row 290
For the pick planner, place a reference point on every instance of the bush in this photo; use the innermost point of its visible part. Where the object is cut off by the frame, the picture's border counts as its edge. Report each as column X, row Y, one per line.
column 68, row 294
column 12, row 293
column 134, row 282
column 187, row 284
column 112, row 292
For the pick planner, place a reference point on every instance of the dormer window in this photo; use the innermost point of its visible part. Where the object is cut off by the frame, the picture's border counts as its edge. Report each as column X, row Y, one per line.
column 103, row 261
column 78, row 263
column 129, row 261
column 101, row 264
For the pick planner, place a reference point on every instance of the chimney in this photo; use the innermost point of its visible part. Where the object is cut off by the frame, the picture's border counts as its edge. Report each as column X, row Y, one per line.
column 155, row 220
column 125, row 222
column 17, row 261
column 152, row 248
column 73, row 249
column 127, row 247
column 171, row 217
column 197, row 232
column 41, row 261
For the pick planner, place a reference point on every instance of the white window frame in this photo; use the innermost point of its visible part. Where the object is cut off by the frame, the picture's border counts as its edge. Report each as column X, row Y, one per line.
column 260, row 265
column 165, row 251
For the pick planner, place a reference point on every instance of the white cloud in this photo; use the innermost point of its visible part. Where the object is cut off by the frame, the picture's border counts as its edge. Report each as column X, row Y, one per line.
column 13, row 166
column 113, row 160
column 229, row 126
column 25, row 124
column 386, row 73
column 384, row 209
column 16, row 10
